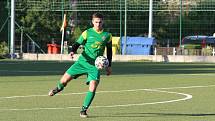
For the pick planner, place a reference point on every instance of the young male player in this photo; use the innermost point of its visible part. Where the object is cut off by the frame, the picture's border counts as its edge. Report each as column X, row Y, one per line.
column 94, row 40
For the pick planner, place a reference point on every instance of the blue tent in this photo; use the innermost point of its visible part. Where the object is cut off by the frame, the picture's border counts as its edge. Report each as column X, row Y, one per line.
column 138, row 45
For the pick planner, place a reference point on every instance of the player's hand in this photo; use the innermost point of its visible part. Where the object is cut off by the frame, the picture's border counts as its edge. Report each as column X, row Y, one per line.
column 72, row 54
column 108, row 71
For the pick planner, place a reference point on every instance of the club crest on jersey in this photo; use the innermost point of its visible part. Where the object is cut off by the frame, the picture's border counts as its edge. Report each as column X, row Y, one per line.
column 103, row 38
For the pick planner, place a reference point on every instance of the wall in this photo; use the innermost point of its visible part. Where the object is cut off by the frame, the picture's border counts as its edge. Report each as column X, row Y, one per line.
column 125, row 58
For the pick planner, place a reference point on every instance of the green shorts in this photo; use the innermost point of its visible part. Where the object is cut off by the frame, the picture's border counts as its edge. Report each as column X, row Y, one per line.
column 83, row 67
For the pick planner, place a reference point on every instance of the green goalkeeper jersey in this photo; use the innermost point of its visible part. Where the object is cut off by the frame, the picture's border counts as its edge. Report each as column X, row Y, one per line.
column 94, row 44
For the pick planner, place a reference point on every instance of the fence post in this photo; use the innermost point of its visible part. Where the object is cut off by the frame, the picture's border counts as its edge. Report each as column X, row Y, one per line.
column 174, row 51
column 155, row 51
column 213, row 52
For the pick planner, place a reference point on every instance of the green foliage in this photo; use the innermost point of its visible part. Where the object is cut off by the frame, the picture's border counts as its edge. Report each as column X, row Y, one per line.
column 4, row 16
column 166, row 18
column 41, row 24
column 77, row 32
column 3, row 49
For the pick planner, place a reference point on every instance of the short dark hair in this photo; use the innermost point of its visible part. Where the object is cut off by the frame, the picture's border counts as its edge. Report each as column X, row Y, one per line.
column 97, row 15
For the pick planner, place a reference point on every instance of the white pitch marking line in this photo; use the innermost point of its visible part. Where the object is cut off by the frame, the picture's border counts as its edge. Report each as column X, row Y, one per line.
column 187, row 97
column 80, row 93
column 113, row 106
column 33, row 109
column 185, row 87
column 11, row 97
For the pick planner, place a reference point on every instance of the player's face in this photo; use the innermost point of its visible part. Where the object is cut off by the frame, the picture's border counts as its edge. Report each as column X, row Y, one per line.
column 97, row 23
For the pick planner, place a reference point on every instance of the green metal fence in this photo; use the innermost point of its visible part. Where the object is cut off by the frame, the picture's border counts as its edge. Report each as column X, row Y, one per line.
column 4, row 21
column 172, row 19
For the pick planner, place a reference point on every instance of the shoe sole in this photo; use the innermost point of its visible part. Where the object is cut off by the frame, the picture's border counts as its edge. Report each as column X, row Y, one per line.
column 51, row 93
column 83, row 116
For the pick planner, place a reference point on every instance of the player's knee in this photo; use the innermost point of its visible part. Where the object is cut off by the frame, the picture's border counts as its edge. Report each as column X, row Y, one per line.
column 65, row 79
column 93, row 86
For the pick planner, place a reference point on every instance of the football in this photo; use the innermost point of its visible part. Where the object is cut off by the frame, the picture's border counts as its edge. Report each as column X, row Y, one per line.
column 101, row 62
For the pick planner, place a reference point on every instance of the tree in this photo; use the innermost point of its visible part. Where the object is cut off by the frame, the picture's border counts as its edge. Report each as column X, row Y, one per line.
column 42, row 25
column 200, row 22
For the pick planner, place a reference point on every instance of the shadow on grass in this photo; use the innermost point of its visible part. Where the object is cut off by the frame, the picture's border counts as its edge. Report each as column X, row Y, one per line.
column 37, row 68
column 127, row 115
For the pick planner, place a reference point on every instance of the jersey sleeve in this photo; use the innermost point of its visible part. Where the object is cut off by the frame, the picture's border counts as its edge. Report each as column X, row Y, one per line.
column 109, row 49
column 109, row 42
column 82, row 39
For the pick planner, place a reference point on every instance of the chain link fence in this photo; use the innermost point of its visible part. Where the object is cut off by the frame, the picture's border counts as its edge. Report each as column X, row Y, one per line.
column 172, row 20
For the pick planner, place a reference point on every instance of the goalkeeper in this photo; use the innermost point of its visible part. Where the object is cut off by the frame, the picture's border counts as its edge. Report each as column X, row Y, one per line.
column 94, row 41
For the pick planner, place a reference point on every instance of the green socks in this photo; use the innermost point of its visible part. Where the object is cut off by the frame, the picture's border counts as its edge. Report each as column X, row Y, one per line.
column 88, row 100
column 60, row 86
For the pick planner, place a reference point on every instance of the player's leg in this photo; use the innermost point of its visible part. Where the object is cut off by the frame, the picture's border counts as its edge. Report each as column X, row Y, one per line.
column 61, row 84
column 89, row 98
column 93, row 78
column 72, row 73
